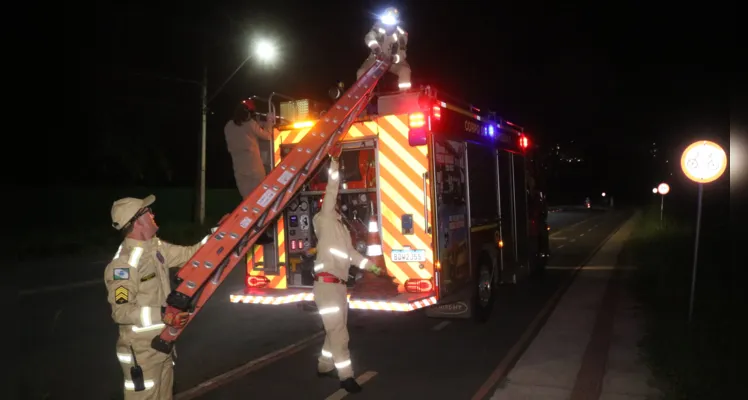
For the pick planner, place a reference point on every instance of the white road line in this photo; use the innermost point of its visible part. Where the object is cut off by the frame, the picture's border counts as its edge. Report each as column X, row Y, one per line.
column 589, row 230
column 61, row 287
column 559, row 238
column 573, row 240
column 363, row 378
column 440, row 325
column 581, row 234
column 257, row 363
column 560, row 246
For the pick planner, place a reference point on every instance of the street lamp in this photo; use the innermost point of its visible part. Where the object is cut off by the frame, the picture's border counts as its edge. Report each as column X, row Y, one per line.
column 267, row 52
column 603, row 194
column 654, row 190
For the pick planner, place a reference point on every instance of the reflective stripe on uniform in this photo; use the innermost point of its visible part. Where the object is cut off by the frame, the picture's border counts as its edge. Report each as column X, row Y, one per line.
column 343, row 364
column 326, row 353
column 338, row 253
column 146, row 321
column 135, row 254
column 328, row 310
column 130, row 385
column 124, row 358
column 363, row 263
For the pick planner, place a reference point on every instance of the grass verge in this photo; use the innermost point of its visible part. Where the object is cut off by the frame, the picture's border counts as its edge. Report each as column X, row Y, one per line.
column 697, row 360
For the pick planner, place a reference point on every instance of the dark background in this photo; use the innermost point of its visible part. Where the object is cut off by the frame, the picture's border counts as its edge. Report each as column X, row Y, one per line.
column 621, row 88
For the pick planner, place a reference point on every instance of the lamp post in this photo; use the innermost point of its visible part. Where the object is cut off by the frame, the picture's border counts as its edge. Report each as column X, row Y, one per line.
column 265, row 51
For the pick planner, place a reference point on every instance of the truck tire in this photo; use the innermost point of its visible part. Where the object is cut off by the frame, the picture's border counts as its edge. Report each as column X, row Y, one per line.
column 485, row 290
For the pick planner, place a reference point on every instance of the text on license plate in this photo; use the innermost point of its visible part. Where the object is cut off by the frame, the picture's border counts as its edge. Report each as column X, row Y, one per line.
column 408, row 255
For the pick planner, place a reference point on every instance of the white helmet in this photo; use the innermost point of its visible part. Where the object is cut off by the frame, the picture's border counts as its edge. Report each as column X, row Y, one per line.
column 390, row 16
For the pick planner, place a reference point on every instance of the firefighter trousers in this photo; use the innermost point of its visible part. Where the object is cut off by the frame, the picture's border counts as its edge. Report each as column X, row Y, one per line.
column 158, row 373
column 402, row 70
column 332, row 303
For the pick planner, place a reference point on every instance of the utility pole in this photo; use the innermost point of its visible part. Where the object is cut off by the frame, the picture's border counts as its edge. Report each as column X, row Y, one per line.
column 203, row 139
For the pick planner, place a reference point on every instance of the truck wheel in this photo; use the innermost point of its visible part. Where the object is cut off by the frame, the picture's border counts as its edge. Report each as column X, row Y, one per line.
column 485, row 291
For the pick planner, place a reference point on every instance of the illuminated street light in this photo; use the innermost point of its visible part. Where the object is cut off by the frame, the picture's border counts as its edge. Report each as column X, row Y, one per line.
column 266, row 51
column 603, row 194
column 654, row 190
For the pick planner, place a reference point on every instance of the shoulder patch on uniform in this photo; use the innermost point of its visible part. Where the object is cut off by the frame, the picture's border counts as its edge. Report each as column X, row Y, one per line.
column 121, row 274
column 148, row 277
column 121, row 295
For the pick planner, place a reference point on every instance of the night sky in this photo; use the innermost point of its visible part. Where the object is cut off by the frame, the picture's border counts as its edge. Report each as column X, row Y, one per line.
column 614, row 80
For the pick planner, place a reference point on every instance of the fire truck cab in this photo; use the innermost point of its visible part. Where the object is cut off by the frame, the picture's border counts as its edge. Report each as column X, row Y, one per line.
column 448, row 202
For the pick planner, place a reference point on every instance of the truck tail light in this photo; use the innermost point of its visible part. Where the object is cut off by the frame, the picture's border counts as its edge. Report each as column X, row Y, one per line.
column 436, row 112
column 419, row 285
column 417, row 134
column 523, row 142
column 257, row 281
column 417, row 120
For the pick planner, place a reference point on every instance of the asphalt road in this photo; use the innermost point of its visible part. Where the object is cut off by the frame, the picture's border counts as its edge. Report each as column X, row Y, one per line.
column 68, row 337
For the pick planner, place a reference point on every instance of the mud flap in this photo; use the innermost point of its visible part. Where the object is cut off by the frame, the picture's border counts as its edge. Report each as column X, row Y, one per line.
column 458, row 306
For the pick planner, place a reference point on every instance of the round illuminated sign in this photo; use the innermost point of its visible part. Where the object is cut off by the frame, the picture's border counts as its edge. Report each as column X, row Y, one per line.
column 663, row 188
column 703, row 161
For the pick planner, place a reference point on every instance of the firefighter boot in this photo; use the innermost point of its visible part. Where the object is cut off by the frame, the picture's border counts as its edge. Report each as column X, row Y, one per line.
column 350, row 385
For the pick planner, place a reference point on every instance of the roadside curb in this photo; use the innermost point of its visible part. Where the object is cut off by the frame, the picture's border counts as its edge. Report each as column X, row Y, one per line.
column 515, row 353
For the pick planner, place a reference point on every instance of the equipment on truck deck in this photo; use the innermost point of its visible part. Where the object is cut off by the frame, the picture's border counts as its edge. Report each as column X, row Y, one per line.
column 202, row 274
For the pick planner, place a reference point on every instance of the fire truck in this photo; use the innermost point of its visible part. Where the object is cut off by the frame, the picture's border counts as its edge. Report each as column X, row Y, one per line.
column 448, row 202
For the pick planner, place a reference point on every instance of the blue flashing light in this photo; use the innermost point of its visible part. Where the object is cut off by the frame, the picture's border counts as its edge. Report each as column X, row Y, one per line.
column 490, row 130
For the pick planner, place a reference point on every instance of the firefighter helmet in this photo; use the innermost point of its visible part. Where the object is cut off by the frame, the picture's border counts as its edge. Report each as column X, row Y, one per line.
column 249, row 104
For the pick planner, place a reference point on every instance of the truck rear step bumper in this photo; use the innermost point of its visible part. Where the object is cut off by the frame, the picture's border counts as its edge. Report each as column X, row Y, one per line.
column 360, row 301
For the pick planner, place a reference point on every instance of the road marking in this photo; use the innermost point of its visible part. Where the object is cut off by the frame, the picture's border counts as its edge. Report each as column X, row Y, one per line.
column 581, row 234
column 589, row 230
column 528, row 335
column 560, row 238
column 560, row 246
column 57, row 288
column 440, row 325
column 242, row 370
column 584, row 268
column 573, row 240
column 361, row 380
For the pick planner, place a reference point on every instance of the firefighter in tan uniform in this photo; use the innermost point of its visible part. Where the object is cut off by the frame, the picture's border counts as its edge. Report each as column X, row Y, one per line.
column 387, row 40
column 242, row 134
column 335, row 255
column 137, row 281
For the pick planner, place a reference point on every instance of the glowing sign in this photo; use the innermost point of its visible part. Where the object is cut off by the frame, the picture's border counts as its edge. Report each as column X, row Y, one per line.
column 663, row 188
column 703, row 161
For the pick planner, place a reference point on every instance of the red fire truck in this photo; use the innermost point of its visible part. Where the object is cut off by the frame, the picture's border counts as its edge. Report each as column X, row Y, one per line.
column 447, row 201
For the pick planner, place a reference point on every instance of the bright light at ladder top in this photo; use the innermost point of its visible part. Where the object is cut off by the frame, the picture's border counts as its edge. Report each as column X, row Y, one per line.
column 703, row 161
column 663, row 189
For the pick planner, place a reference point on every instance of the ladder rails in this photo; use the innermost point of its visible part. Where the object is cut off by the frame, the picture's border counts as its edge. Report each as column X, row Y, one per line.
column 210, row 265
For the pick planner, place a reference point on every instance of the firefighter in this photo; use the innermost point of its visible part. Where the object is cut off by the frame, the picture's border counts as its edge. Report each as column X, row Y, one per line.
column 137, row 282
column 387, row 40
column 242, row 133
column 335, row 254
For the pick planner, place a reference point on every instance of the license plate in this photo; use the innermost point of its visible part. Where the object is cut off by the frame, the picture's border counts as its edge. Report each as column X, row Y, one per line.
column 408, row 255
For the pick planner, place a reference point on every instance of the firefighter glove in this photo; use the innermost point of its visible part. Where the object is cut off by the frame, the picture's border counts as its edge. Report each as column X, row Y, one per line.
column 374, row 269
column 177, row 320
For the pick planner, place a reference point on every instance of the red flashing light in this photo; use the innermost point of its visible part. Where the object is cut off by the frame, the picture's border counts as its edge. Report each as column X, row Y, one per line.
column 523, row 142
column 419, row 285
column 436, row 112
column 257, row 281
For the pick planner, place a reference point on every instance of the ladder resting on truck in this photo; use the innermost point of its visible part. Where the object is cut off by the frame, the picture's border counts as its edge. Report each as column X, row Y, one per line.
column 201, row 275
